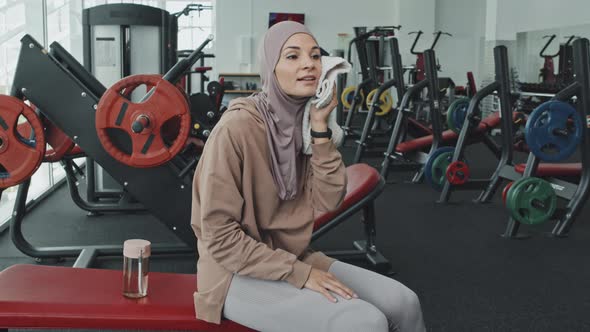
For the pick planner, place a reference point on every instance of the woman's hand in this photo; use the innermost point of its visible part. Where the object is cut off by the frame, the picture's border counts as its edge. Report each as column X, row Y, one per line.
column 323, row 282
column 319, row 116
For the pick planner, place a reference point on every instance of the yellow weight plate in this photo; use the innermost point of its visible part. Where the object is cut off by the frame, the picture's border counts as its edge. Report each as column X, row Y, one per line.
column 349, row 91
column 385, row 102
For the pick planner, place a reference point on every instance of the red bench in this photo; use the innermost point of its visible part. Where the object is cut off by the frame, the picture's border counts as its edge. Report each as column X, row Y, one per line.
column 35, row 296
column 447, row 135
column 362, row 180
column 565, row 169
column 418, row 125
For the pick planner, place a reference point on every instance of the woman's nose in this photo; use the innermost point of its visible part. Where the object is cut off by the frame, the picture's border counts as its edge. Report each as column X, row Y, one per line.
column 308, row 62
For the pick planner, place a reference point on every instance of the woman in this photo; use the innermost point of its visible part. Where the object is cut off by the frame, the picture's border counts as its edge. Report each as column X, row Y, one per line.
column 255, row 196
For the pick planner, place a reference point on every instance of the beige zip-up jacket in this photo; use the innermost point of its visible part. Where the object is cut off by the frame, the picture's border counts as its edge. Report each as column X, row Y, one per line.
column 242, row 227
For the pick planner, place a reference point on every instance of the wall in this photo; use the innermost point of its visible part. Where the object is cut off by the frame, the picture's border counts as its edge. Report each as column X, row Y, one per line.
column 243, row 22
column 465, row 20
column 529, row 45
column 526, row 22
column 520, row 16
column 239, row 20
column 473, row 23
column 413, row 16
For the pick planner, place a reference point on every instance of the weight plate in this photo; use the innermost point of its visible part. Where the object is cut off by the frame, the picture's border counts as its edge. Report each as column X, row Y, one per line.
column 456, row 114
column 553, row 131
column 531, row 200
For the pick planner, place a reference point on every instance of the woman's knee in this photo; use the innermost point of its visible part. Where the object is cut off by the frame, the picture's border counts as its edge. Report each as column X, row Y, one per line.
column 357, row 315
column 412, row 300
column 402, row 303
column 372, row 319
column 410, row 317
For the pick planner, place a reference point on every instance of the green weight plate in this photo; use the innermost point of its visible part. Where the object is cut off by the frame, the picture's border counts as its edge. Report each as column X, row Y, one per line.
column 510, row 200
column 439, row 167
column 531, row 201
column 428, row 166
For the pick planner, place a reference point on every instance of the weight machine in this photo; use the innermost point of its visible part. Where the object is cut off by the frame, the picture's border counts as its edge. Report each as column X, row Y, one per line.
column 554, row 131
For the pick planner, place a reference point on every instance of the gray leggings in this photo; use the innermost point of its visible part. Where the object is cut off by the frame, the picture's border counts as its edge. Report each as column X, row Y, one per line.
column 383, row 304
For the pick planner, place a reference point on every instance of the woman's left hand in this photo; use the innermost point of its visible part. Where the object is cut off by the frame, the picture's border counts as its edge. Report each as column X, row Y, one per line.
column 320, row 115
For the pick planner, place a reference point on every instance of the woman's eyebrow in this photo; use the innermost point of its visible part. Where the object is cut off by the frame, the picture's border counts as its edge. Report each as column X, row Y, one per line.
column 299, row 48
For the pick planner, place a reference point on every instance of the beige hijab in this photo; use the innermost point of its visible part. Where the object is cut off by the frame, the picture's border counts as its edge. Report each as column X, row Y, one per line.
column 282, row 114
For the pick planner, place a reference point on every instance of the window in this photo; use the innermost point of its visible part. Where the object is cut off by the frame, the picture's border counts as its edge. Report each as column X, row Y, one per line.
column 18, row 18
column 194, row 28
column 10, row 32
column 63, row 23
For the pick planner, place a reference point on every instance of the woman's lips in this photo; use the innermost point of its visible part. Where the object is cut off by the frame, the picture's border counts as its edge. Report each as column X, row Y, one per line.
column 307, row 80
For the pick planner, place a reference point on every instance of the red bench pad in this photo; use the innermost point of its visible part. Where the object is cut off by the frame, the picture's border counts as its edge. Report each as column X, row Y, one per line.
column 417, row 124
column 447, row 135
column 491, row 121
column 202, row 69
column 423, row 142
column 362, row 180
column 36, row 296
column 75, row 150
column 571, row 169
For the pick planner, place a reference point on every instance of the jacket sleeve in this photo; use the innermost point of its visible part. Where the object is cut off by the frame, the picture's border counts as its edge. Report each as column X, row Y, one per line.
column 317, row 259
column 328, row 177
column 219, row 189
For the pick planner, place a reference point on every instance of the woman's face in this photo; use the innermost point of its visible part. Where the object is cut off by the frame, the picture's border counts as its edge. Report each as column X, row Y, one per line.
column 299, row 66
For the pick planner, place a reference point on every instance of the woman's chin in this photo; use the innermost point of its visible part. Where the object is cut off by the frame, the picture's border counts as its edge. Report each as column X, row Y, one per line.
column 303, row 93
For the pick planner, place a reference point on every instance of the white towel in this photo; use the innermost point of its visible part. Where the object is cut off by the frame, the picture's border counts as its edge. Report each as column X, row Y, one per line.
column 331, row 67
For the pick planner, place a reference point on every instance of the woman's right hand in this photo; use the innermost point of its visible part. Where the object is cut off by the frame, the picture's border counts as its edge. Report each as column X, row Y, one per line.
column 323, row 282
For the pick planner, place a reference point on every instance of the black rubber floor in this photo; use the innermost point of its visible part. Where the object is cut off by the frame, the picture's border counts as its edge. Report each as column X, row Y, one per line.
column 467, row 277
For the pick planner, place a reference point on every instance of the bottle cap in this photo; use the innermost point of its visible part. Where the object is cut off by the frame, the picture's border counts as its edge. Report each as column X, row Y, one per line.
column 133, row 248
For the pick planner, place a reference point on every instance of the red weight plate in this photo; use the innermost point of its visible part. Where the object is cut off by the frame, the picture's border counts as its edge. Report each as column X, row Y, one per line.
column 24, row 130
column 458, row 173
column 128, row 90
column 171, row 128
column 20, row 156
column 60, row 143
column 505, row 191
column 165, row 103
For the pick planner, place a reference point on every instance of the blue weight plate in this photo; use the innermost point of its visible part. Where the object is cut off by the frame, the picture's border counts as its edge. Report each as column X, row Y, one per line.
column 350, row 97
column 428, row 166
column 541, row 128
column 456, row 114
